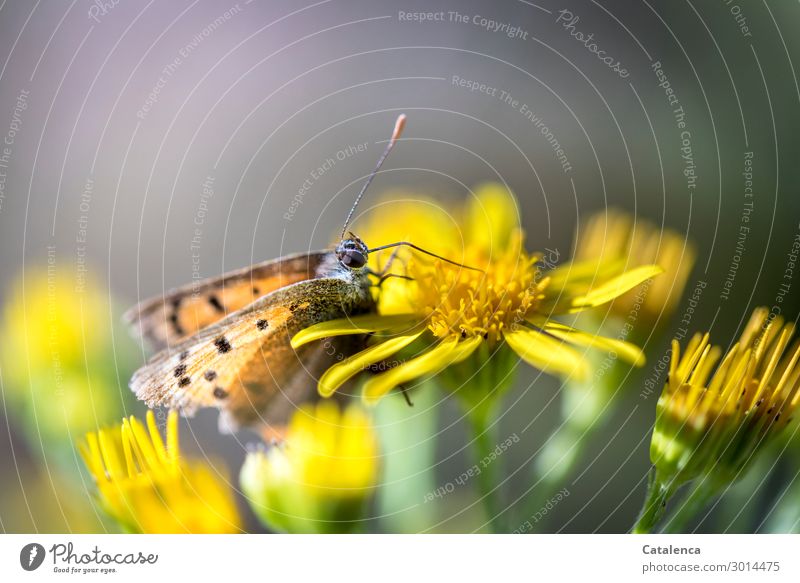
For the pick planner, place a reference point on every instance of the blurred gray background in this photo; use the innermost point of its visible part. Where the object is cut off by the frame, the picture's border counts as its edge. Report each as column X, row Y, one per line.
column 144, row 103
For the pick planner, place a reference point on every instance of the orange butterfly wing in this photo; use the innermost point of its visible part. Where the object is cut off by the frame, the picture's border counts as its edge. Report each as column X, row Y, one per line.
column 244, row 364
column 164, row 321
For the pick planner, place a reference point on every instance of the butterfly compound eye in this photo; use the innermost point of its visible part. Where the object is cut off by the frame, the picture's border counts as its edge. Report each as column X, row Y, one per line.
column 352, row 253
column 352, row 258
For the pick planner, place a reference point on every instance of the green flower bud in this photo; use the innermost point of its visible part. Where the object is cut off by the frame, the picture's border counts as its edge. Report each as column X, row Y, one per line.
column 716, row 419
column 320, row 479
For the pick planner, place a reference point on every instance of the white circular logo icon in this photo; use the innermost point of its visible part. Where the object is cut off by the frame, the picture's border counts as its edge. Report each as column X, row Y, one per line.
column 31, row 556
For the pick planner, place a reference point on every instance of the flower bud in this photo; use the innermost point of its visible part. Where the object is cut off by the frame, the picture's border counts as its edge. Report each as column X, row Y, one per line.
column 320, row 479
column 716, row 418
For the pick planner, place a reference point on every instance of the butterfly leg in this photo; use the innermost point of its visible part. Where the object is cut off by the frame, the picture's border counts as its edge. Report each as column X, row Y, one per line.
column 384, row 274
column 388, row 275
column 388, row 265
column 404, row 391
column 382, row 278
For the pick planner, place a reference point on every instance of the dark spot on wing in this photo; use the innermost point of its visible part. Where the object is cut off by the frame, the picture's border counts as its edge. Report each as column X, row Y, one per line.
column 173, row 318
column 180, row 370
column 184, row 355
column 215, row 303
column 210, row 375
column 293, row 307
column 184, row 381
column 261, row 324
column 222, row 345
column 220, row 393
column 256, row 291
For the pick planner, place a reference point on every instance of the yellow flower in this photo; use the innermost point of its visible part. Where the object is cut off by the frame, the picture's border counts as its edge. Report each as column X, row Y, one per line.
column 606, row 244
column 403, row 216
column 508, row 301
column 146, row 486
column 320, row 478
column 613, row 240
column 715, row 418
column 60, row 368
column 54, row 327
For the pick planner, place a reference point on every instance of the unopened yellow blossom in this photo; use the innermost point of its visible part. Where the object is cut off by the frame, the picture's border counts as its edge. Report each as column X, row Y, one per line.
column 319, row 479
column 715, row 416
column 717, row 413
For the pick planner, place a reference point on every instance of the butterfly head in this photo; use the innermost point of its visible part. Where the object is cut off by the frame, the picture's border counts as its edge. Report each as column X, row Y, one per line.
column 352, row 252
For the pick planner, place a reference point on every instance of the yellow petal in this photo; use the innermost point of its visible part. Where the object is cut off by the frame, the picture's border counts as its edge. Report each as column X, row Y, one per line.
column 155, row 437
column 447, row 352
column 142, row 439
column 90, row 452
column 402, row 215
column 110, row 453
column 173, row 445
column 355, row 325
column 341, row 372
column 545, row 352
column 615, row 287
column 626, row 350
column 129, row 449
column 492, row 216
column 584, row 272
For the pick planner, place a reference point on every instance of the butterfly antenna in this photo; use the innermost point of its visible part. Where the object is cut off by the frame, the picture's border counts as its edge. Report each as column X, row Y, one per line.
column 426, row 252
column 398, row 129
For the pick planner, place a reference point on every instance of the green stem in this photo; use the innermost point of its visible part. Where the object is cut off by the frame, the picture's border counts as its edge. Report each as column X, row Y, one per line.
column 658, row 493
column 585, row 409
column 702, row 492
column 561, row 454
column 479, row 385
column 785, row 517
column 555, row 463
column 407, row 437
column 483, row 444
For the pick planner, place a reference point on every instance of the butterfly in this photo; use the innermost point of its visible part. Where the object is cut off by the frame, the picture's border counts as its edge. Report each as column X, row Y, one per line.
column 226, row 342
